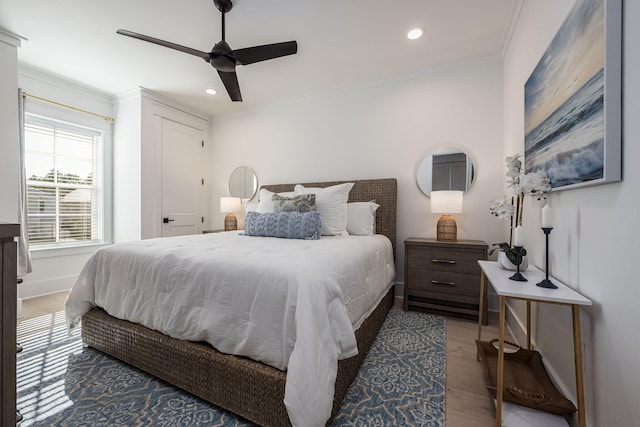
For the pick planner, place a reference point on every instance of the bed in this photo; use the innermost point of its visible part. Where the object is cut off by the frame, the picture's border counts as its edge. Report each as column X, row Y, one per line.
column 249, row 388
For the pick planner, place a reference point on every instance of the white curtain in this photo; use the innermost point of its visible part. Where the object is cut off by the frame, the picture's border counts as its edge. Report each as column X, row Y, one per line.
column 24, row 256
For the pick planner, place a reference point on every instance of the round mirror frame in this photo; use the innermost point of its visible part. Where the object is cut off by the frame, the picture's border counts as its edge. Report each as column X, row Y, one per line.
column 425, row 170
column 243, row 183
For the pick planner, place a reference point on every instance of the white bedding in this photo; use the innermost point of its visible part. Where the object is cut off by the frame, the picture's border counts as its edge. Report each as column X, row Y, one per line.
column 292, row 304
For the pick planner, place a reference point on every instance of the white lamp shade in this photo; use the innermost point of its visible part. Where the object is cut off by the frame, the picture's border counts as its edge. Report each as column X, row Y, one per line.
column 230, row 204
column 446, row 202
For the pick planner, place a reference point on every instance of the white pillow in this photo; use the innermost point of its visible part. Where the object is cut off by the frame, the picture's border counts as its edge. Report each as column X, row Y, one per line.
column 361, row 218
column 265, row 202
column 250, row 207
column 331, row 203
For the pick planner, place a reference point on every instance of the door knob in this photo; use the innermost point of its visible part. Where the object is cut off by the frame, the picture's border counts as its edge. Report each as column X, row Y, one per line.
column 167, row 220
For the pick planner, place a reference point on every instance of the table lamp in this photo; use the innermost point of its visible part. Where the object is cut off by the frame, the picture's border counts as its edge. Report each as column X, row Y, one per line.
column 446, row 203
column 230, row 205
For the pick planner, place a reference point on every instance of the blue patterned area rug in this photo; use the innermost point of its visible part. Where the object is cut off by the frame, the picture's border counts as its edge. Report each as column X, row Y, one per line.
column 60, row 383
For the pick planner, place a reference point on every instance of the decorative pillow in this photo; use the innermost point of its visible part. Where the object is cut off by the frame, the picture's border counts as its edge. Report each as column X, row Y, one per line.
column 362, row 218
column 300, row 203
column 265, row 203
column 286, row 225
column 331, row 203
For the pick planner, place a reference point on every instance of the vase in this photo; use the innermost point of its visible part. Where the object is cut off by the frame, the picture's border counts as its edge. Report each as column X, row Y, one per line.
column 503, row 262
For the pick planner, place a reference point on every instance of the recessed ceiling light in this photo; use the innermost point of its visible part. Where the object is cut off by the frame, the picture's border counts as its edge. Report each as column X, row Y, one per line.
column 415, row 33
column 212, row 91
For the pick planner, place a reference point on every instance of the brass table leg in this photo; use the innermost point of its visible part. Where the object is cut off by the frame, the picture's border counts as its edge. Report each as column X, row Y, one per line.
column 481, row 310
column 577, row 351
column 500, row 384
column 528, row 325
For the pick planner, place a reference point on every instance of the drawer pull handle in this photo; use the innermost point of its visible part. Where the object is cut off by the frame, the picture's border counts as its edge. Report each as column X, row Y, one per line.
column 440, row 282
column 443, row 261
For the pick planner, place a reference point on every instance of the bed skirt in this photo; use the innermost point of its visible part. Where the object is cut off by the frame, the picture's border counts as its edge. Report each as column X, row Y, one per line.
column 243, row 386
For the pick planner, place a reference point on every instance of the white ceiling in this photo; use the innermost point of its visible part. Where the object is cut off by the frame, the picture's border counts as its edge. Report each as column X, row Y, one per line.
column 341, row 43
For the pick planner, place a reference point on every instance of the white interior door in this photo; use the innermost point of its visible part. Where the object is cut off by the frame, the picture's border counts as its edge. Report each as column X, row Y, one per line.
column 182, row 179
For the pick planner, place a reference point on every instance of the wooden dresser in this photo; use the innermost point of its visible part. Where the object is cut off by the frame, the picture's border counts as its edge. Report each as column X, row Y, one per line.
column 443, row 277
column 8, row 314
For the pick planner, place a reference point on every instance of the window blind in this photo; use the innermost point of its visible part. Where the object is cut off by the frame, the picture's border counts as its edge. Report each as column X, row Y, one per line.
column 62, row 182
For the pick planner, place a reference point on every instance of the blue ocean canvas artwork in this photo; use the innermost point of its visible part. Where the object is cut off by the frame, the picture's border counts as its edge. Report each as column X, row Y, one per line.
column 565, row 101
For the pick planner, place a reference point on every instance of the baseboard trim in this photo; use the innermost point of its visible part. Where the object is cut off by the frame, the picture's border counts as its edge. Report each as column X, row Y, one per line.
column 32, row 289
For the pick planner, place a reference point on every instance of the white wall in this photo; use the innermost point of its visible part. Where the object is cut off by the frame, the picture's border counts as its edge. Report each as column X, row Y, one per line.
column 9, row 147
column 127, row 179
column 594, row 237
column 377, row 130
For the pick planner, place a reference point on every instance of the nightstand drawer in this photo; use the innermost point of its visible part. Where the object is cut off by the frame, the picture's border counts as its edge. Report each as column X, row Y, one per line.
column 453, row 261
column 444, row 282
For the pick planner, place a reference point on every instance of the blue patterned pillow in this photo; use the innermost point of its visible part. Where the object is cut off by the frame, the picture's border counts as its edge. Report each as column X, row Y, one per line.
column 286, row 225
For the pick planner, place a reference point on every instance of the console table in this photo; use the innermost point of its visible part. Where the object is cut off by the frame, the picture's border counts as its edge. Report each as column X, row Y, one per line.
column 498, row 278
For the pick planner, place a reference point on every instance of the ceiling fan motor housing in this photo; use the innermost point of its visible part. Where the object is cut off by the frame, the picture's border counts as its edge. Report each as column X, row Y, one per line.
column 222, row 57
column 223, row 6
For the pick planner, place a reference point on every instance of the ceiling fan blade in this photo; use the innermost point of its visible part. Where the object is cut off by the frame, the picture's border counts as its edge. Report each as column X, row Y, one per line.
column 230, row 81
column 253, row 54
column 204, row 55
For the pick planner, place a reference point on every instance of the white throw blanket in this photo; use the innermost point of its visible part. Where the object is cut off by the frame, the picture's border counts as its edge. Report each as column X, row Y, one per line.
column 292, row 304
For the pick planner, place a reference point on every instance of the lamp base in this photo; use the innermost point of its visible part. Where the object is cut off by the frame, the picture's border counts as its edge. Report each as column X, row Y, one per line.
column 230, row 222
column 447, row 230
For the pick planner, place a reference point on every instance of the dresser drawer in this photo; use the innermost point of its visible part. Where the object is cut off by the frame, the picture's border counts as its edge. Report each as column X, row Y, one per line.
column 444, row 282
column 449, row 260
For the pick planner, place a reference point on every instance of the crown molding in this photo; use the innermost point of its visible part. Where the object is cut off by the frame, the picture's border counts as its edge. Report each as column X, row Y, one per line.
column 11, row 38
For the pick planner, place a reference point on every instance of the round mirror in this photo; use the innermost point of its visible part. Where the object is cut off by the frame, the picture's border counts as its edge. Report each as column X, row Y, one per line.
column 445, row 169
column 243, row 183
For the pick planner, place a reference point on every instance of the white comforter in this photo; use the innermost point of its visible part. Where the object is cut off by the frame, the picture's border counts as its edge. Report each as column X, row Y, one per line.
column 292, row 304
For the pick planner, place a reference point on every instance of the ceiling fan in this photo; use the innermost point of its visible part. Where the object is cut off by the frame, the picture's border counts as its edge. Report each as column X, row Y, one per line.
column 222, row 57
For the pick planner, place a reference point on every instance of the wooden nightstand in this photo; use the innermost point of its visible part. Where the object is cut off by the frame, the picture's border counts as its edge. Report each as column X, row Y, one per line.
column 444, row 276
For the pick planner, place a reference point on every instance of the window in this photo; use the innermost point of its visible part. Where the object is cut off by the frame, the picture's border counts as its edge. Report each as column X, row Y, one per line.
column 64, row 182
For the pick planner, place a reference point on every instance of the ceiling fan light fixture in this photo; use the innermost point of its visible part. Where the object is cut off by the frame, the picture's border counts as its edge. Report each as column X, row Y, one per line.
column 415, row 33
column 211, row 91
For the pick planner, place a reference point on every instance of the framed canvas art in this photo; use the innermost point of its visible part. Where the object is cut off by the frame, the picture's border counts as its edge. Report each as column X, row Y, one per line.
column 573, row 100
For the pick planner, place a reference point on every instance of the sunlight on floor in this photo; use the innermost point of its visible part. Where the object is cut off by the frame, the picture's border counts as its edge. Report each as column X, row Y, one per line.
column 42, row 366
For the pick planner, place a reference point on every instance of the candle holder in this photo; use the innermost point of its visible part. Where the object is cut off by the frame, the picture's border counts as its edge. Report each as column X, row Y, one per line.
column 546, row 283
column 518, row 277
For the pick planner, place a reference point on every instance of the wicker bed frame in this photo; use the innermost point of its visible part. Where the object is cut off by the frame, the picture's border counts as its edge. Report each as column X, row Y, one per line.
column 243, row 386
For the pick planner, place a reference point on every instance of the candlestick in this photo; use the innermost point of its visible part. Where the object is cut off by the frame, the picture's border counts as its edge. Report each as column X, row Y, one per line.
column 546, row 217
column 518, row 277
column 546, row 283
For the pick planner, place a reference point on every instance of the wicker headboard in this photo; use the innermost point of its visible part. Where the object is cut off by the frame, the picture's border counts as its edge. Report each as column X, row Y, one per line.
column 383, row 191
